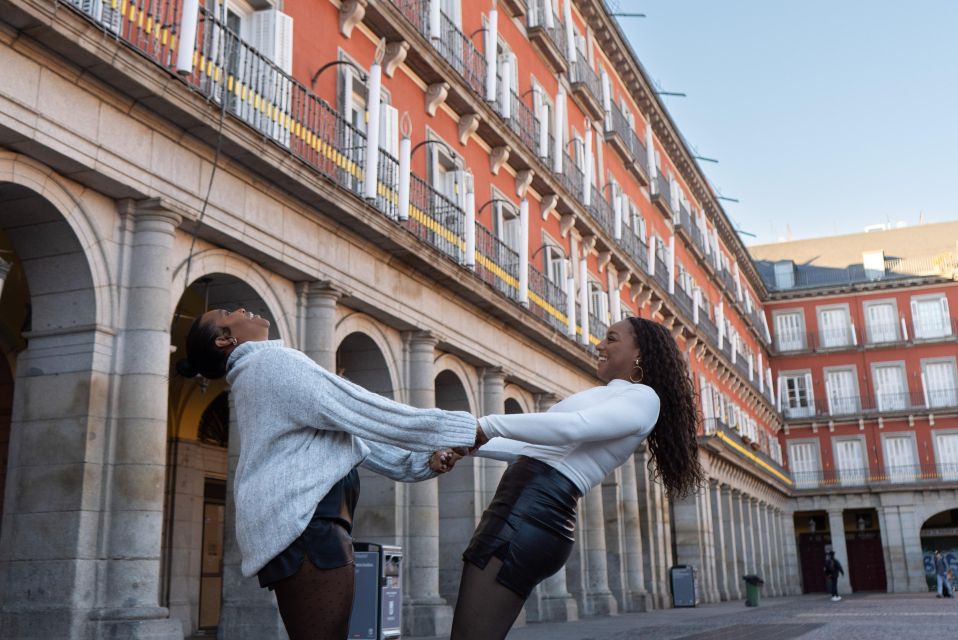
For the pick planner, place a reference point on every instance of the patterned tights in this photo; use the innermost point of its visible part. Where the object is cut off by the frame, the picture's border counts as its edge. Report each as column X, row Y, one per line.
column 315, row 603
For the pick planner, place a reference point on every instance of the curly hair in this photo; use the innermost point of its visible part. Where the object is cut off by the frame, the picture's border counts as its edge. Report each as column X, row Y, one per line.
column 673, row 443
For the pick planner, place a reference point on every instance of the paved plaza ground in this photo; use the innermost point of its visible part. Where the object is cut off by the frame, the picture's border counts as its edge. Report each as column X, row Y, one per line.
column 812, row 617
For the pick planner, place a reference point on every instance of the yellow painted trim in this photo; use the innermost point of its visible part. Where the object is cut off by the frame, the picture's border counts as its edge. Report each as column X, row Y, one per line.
column 754, row 458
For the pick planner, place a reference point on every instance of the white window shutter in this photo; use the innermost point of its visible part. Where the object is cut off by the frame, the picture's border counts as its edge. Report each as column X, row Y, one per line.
column 945, row 316
column 389, row 129
column 272, row 35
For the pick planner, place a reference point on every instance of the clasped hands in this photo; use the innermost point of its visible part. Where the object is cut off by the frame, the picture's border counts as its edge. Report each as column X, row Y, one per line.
column 444, row 460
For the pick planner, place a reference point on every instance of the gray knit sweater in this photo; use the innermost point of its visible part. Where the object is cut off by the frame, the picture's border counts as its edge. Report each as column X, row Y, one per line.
column 302, row 428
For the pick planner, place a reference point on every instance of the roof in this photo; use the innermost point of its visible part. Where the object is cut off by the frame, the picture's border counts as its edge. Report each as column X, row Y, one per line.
column 921, row 250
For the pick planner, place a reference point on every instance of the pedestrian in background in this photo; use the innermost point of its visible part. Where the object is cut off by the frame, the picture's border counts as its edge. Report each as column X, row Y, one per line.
column 833, row 569
column 941, row 572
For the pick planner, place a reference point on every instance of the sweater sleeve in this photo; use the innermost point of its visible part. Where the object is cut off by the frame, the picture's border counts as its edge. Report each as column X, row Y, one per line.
column 397, row 464
column 501, row 449
column 314, row 397
column 632, row 410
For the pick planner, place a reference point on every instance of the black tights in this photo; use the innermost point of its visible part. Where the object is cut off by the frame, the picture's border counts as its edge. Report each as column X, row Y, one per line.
column 315, row 603
column 485, row 609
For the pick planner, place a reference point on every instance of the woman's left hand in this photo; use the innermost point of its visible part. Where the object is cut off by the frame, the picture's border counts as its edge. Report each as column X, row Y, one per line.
column 443, row 460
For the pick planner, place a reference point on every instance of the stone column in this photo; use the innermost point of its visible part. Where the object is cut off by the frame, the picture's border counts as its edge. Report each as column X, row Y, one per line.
column 646, row 504
column 914, row 558
column 836, row 527
column 556, row 604
column 751, row 566
column 688, row 537
column 790, row 547
column 709, row 545
column 319, row 334
column 732, row 530
column 664, row 522
column 493, row 401
column 128, row 601
column 425, row 612
column 598, row 597
column 779, row 556
column 771, row 549
column 720, row 551
column 635, row 598
column 248, row 611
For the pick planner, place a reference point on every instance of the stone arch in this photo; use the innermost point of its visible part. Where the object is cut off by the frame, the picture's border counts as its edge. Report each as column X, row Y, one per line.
column 466, row 377
column 359, row 323
column 523, row 400
column 211, row 262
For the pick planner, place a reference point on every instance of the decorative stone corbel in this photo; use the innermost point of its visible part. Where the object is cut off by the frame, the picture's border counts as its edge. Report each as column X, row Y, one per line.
column 566, row 222
column 394, row 56
column 605, row 257
column 786, row 429
column 700, row 350
column 655, row 306
column 523, row 180
column 498, row 157
column 351, row 13
column 587, row 243
column 468, row 124
column 644, row 297
column 435, row 95
column 548, row 204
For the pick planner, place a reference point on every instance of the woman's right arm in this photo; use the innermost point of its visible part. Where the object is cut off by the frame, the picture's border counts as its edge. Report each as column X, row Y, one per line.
column 317, row 398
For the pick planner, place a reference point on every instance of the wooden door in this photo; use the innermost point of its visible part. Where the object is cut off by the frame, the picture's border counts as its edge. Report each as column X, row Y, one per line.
column 811, row 554
column 866, row 562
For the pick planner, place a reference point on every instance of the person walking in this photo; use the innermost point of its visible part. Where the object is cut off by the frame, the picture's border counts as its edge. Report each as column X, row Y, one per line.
column 833, row 569
column 941, row 572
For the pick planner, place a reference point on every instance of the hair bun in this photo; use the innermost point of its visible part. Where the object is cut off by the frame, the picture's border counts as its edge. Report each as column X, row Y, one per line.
column 185, row 369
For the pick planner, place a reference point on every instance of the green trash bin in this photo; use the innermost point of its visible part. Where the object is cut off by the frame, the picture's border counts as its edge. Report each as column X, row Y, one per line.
column 753, row 585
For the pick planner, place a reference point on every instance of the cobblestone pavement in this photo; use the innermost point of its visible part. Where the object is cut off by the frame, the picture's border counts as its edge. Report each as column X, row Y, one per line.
column 813, row 617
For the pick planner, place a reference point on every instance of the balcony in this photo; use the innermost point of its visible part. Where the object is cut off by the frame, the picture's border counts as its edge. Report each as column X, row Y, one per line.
column 717, row 431
column 571, row 178
column 619, row 134
column 683, row 222
column 586, row 87
column 875, row 405
column 523, row 122
column 684, row 302
column 496, row 263
column 845, row 338
column 698, row 239
column 661, row 272
column 708, row 327
column 547, row 34
column 880, row 477
column 547, row 300
column 602, row 212
column 435, row 219
column 662, row 195
column 636, row 248
column 597, row 328
column 515, row 8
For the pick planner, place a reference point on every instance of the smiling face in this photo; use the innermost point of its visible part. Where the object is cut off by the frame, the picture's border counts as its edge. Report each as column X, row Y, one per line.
column 617, row 353
column 240, row 324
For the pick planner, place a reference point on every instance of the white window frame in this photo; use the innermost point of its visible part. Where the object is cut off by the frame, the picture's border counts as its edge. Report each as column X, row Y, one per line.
column 792, row 345
column 923, row 331
column 800, row 410
column 883, row 335
column 891, row 400
column 898, row 473
column 851, row 476
column 939, row 398
column 837, row 338
column 947, row 470
column 554, row 259
column 842, row 405
column 811, row 477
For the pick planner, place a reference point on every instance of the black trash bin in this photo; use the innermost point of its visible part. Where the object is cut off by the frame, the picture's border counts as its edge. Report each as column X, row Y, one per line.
column 377, row 604
column 683, row 585
column 753, row 585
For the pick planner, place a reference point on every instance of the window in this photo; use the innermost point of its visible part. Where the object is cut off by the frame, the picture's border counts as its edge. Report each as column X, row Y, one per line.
column 803, row 463
column 834, row 327
column 891, row 388
column 637, row 222
column 850, row 461
column 946, row 455
column 899, row 457
column 881, row 322
column 789, row 331
column 842, row 391
column 598, row 304
column 544, row 114
column 784, row 274
column 505, row 224
column 555, row 265
column 445, row 174
column 938, row 382
column 797, row 395
column 930, row 317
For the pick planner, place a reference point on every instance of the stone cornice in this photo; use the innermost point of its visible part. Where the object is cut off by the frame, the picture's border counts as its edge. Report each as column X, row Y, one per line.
column 633, row 75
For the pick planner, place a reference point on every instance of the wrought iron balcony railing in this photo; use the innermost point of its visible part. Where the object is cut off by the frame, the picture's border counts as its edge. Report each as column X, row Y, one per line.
column 684, row 301
column 661, row 272
column 547, row 300
column 636, row 248
column 547, row 32
column 927, row 473
column 597, row 328
column 602, row 211
column 497, row 263
column 571, row 177
column 523, row 122
column 872, row 404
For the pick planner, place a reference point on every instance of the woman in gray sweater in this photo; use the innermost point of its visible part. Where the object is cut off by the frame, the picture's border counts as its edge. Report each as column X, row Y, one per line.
column 303, row 431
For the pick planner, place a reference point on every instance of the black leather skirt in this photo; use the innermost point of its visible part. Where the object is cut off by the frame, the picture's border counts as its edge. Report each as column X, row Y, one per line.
column 529, row 526
column 327, row 539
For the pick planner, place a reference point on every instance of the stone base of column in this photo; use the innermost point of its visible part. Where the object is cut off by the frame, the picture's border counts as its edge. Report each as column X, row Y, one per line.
column 662, row 601
column 251, row 620
column 636, row 601
column 148, row 623
column 427, row 618
column 558, row 609
column 601, row 604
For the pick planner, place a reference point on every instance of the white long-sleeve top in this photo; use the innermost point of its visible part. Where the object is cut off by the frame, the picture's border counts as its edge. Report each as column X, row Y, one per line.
column 586, row 436
column 302, row 428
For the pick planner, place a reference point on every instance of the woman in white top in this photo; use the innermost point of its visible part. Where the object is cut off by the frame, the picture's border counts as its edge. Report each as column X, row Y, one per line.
column 526, row 533
column 302, row 432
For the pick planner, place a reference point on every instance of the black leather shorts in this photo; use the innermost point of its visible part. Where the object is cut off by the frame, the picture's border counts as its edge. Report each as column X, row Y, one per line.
column 327, row 540
column 529, row 526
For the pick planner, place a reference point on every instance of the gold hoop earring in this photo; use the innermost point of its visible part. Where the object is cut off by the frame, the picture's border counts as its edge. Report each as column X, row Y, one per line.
column 233, row 340
column 641, row 375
